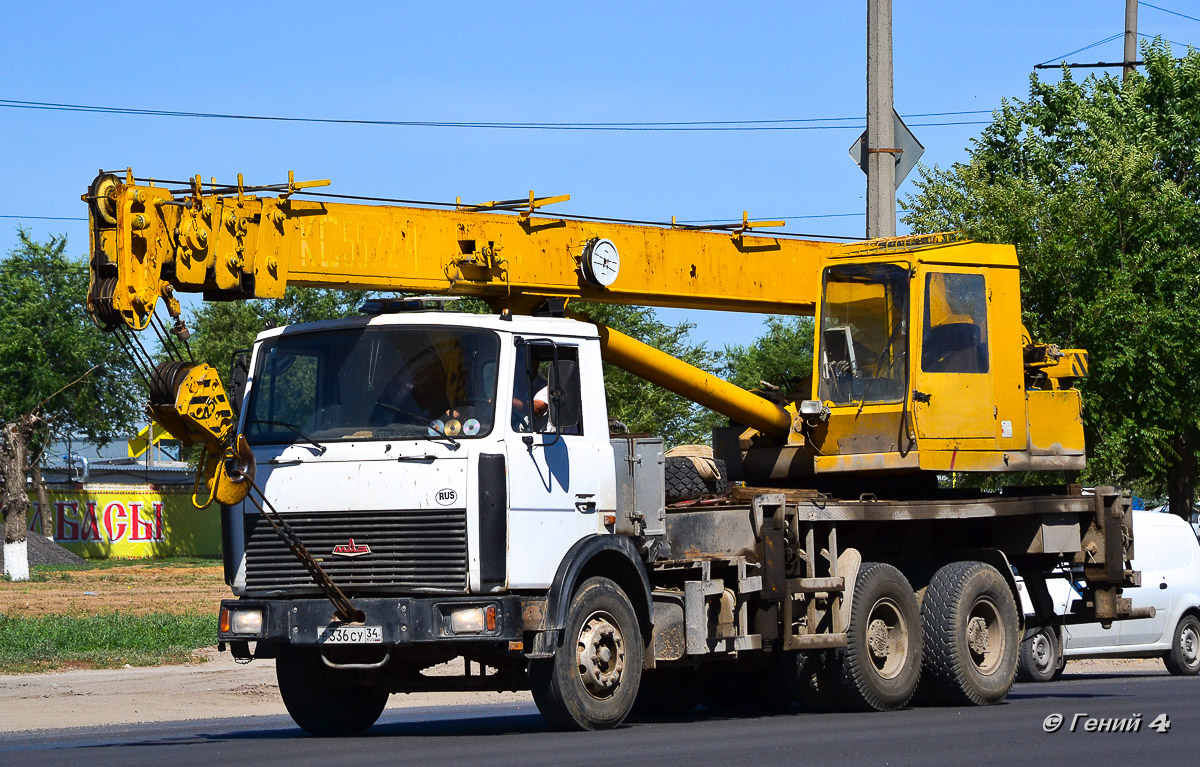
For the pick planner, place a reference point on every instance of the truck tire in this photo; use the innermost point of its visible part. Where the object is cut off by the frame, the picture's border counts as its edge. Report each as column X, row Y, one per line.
column 1184, row 657
column 684, row 481
column 320, row 700
column 970, row 624
column 809, row 683
column 592, row 680
column 1038, row 660
column 881, row 664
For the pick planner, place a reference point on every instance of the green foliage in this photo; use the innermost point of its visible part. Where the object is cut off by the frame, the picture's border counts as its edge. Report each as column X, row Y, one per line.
column 101, row 641
column 636, row 402
column 221, row 328
column 781, row 357
column 1096, row 185
column 51, row 355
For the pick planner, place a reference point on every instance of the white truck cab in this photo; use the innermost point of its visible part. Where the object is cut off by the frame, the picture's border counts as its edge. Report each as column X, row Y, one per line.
column 397, row 413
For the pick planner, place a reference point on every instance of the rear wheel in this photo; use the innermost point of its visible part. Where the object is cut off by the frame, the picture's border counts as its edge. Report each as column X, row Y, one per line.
column 970, row 622
column 592, row 680
column 881, row 664
column 321, row 700
column 1184, row 658
column 1039, row 661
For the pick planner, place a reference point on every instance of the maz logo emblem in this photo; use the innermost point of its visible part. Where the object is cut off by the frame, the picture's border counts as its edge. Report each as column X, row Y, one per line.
column 351, row 549
column 446, row 496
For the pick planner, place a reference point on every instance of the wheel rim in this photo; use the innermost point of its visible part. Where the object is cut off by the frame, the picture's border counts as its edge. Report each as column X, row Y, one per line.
column 1189, row 645
column 887, row 638
column 985, row 636
column 600, row 655
column 1043, row 652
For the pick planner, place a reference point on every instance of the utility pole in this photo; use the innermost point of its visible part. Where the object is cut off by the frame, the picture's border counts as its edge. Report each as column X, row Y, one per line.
column 881, row 136
column 1129, row 63
column 1128, row 66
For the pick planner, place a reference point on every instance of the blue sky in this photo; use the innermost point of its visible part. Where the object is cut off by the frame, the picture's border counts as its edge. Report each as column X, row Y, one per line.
column 552, row 62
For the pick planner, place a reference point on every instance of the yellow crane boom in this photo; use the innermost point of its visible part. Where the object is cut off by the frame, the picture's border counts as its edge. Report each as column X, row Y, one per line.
column 148, row 240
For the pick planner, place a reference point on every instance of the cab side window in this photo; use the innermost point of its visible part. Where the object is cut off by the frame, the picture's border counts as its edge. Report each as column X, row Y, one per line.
column 546, row 389
column 955, row 333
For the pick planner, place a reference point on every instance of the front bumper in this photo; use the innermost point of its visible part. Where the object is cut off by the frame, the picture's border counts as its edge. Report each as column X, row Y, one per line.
column 402, row 620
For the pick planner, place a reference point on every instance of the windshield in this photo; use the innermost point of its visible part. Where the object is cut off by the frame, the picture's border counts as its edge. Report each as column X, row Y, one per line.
column 374, row 383
column 864, row 334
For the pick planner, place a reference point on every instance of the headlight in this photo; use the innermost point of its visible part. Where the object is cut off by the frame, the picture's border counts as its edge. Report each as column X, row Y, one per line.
column 468, row 621
column 242, row 621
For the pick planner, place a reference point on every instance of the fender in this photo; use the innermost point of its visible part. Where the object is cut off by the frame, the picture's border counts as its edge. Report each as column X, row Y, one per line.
column 614, row 557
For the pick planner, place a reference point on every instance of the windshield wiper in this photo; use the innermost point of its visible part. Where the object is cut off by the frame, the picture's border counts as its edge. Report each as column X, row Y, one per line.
column 441, row 432
column 295, row 430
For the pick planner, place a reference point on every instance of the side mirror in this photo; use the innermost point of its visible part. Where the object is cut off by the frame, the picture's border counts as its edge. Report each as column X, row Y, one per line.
column 238, row 373
column 564, row 402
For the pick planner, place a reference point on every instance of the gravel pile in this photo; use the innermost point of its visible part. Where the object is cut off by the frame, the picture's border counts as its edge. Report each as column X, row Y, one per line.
column 43, row 551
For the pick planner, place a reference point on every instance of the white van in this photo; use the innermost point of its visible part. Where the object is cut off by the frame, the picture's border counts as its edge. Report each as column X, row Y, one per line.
column 1168, row 556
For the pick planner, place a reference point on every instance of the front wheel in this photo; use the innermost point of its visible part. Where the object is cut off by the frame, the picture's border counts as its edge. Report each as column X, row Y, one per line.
column 1184, row 657
column 591, row 683
column 323, row 701
column 1039, row 661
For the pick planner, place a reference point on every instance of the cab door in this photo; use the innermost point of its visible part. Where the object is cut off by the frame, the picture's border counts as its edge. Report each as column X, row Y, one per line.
column 554, row 467
column 953, row 392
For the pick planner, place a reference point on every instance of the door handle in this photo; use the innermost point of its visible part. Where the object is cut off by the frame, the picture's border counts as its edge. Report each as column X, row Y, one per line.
column 920, row 396
column 585, row 503
column 1163, row 585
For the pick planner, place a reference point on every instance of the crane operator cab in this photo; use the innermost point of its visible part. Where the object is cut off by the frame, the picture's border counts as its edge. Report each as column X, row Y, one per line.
column 921, row 365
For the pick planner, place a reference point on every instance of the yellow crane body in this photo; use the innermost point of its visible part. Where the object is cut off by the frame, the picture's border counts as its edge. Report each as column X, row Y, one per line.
column 920, row 364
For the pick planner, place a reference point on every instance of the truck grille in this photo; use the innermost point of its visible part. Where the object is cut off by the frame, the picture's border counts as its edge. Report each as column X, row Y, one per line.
column 419, row 551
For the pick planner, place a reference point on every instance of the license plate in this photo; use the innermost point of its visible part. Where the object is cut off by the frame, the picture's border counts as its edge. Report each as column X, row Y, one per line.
column 350, row 635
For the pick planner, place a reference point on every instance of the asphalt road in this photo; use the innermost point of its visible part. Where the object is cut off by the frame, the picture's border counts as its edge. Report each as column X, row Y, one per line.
column 490, row 736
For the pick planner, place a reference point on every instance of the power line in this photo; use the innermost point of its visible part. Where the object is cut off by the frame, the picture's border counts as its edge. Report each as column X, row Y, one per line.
column 1172, row 42
column 1108, row 39
column 1168, row 10
column 768, row 218
column 50, row 218
column 788, row 124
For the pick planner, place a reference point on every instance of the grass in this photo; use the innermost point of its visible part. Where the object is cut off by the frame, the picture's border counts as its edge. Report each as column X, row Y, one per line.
column 55, row 572
column 108, row 564
column 111, row 640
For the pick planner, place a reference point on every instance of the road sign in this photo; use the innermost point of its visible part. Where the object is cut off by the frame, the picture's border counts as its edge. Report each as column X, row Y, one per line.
column 910, row 150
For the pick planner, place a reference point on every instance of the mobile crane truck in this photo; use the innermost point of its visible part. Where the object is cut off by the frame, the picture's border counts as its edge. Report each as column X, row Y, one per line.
column 394, row 494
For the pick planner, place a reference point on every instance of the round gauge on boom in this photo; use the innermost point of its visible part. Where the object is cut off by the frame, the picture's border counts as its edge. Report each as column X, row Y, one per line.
column 601, row 262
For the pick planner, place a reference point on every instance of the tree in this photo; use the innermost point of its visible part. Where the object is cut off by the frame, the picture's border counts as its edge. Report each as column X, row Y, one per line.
column 641, row 405
column 1097, row 184
column 59, row 374
column 780, row 357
